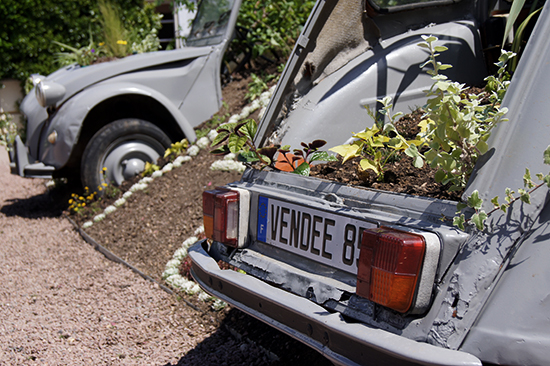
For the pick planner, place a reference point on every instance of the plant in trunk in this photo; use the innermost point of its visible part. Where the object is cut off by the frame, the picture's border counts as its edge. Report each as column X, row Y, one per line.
column 379, row 144
column 456, row 125
column 238, row 138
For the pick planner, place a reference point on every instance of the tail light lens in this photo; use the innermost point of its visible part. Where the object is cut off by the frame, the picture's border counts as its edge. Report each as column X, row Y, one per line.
column 225, row 215
column 390, row 265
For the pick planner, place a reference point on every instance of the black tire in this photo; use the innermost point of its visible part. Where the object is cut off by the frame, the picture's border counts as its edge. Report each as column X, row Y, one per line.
column 122, row 147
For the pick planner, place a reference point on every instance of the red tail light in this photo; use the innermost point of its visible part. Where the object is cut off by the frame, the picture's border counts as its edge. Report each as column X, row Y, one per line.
column 390, row 263
column 225, row 215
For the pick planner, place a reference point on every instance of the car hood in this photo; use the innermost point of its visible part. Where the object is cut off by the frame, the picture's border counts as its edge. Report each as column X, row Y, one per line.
column 76, row 78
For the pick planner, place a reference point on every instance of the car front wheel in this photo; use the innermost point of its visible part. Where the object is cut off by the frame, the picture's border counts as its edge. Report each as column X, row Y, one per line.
column 122, row 148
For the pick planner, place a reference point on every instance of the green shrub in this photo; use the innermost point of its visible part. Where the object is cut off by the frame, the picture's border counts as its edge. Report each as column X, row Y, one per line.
column 273, row 26
column 28, row 28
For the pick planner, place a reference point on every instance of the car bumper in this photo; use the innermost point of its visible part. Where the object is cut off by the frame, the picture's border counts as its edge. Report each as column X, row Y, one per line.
column 20, row 165
column 342, row 342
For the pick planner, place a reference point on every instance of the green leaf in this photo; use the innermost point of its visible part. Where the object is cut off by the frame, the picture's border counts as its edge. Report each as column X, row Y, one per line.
column 247, row 157
column 527, row 181
column 479, row 219
column 347, row 151
column 222, row 150
column 303, row 169
column 440, row 175
column 367, row 164
column 236, row 143
column 249, row 129
column 482, row 147
column 459, row 221
column 495, row 203
column 517, row 5
column 321, row 156
column 460, row 206
column 440, row 48
column 546, row 155
column 429, row 39
column 509, row 195
column 524, row 196
column 220, row 138
column 474, row 201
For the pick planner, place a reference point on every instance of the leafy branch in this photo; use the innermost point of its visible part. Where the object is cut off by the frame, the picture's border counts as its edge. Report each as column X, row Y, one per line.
column 457, row 125
column 524, row 195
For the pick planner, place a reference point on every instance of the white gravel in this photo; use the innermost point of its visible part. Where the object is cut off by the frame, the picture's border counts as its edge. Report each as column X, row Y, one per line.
column 63, row 303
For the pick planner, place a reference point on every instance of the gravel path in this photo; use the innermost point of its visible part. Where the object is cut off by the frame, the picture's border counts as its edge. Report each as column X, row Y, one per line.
column 63, row 303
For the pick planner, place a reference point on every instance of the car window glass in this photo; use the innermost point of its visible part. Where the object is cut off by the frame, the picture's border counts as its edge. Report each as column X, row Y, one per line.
column 210, row 23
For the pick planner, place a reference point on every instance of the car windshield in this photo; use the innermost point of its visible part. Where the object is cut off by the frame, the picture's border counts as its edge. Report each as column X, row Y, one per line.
column 210, row 24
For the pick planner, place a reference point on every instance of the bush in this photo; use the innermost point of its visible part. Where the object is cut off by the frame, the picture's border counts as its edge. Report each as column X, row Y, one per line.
column 272, row 26
column 28, row 28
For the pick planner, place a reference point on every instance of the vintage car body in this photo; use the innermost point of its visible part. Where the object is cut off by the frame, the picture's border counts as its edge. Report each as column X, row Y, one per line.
column 173, row 91
column 481, row 296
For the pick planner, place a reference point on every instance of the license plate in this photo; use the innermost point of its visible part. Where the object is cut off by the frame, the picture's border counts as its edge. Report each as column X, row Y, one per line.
column 315, row 234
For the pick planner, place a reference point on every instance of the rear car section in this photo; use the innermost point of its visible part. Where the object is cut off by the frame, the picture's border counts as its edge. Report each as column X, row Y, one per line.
column 369, row 277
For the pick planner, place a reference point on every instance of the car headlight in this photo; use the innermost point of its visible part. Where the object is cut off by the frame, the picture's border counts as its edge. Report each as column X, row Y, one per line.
column 48, row 93
column 36, row 78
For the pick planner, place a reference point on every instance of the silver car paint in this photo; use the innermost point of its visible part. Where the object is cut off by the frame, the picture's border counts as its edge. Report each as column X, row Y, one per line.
column 185, row 82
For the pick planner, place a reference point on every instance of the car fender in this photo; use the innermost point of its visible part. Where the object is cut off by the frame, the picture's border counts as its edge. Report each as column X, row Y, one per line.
column 68, row 121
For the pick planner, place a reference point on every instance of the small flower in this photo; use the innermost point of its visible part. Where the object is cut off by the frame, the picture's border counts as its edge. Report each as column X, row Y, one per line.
column 146, row 180
column 156, row 174
column 203, row 142
column 212, row 135
column 199, row 231
column 228, row 166
column 99, row 217
column 219, row 304
column 168, row 167
column 187, row 243
column 109, row 209
column 168, row 272
column 230, row 156
column 120, row 41
column 87, row 224
column 127, row 195
column 203, row 296
column 138, row 187
column 179, row 254
column 120, row 202
column 255, row 104
column 193, row 150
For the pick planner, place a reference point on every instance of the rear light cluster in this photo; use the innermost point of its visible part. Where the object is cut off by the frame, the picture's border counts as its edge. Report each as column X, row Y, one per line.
column 225, row 215
column 397, row 269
